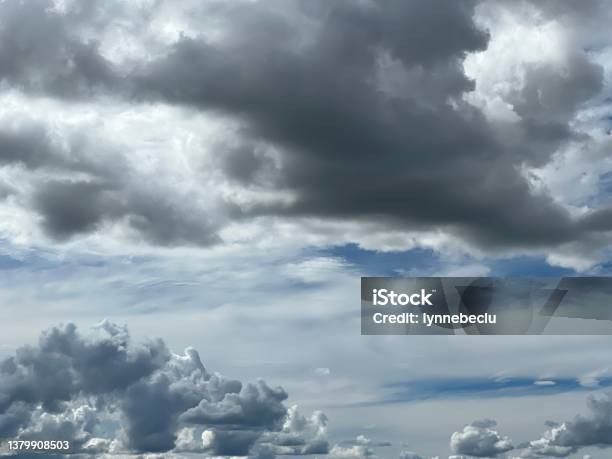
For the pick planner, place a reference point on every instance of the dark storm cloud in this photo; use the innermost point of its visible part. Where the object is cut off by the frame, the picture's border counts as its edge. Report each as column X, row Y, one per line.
column 352, row 150
column 479, row 439
column 43, row 50
column 362, row 101
column 248, row 164
column 101, row 388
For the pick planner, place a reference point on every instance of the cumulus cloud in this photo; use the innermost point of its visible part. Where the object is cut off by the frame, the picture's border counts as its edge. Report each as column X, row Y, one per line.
column 564, row 439
column 106, row 394
column 343, row 112
column 112, row 397
column 479, row 439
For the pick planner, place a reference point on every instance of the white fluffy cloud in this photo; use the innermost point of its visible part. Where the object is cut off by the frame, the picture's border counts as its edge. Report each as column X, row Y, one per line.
column 479, row 439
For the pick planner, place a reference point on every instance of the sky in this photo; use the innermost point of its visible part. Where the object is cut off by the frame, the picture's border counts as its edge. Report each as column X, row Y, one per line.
column 190, row 192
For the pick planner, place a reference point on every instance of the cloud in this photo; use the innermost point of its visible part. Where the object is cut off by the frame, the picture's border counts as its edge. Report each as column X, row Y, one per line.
column 52, row 56
column 396, row 128
column 348, row 112
column 564, row 439
column 64, row 364
column 106, row 394
column 255, row 405
column 409, row 455
column 299, row 435
column 351, row 452
column 363, row 440
column 479, row 439
column 77, row 183
column 322, row 371
column 360, row 445
column 112, row 397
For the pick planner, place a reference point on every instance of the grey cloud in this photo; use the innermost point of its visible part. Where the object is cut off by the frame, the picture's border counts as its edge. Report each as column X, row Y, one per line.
column 64, row 363
column 170, row 220
column 13, row 417
column 109, row 395
column 262, row 452
column 70, row 208
column 43, row 50
column 564, row 439
column 351, row 150
column 299, row 435
column 362, row 100
column 598, row 219
column 248, row 164
column 50, row 55
column 479, row 439
column 112, row 397
column 547, row 102
column 29, row 146
column 232, row 442
column 87, row 184
column 254, row 406
column 37, row 147
column 151, row 409
column 75, row 426
column 551, row 95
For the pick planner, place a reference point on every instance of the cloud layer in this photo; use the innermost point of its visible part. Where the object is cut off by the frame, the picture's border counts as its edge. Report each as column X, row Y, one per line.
column 106, row 394
column 111, row 396
column 361, row 112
